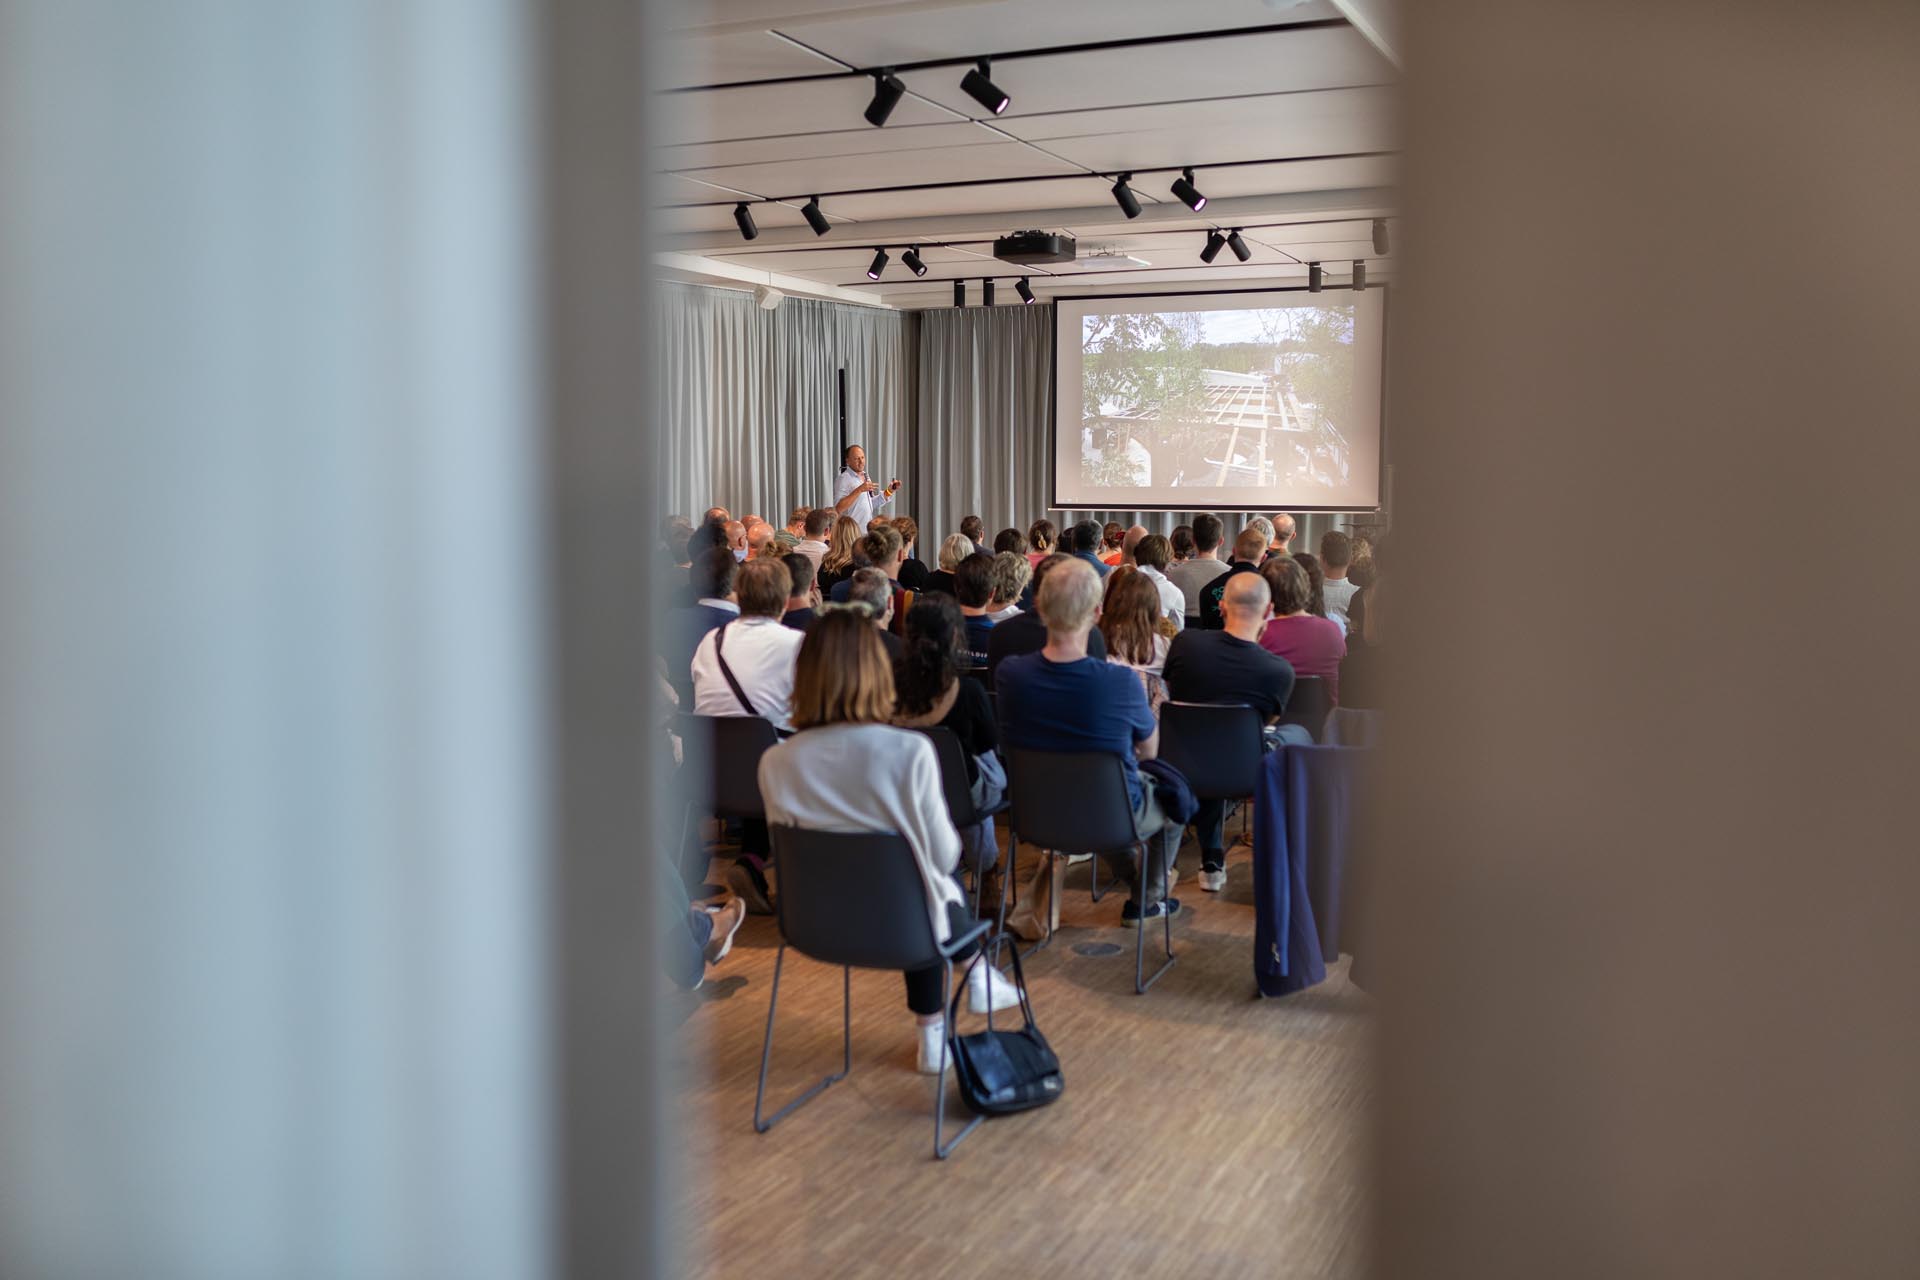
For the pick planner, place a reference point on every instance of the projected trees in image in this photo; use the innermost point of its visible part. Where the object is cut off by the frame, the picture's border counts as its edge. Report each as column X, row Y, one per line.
column 1248, row 398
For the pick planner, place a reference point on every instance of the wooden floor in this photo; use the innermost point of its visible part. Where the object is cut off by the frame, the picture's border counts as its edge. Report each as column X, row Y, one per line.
column 1203, row 1132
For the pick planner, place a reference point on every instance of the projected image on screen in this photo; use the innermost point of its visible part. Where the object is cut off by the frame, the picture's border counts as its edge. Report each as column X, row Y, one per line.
column 1219, row 404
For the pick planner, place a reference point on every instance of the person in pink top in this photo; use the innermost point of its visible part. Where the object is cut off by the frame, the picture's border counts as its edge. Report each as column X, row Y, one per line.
column 1042, row 541
column 1313, row 645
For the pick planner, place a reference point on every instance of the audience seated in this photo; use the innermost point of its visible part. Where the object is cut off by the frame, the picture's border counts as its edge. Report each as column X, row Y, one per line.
column 1042, row 540
column 1012, row 571
column 737, row 539
column 849, row 769
column 1248, row 551
column 1180, row 541
column 912, row 573
column 760, row 539
column 1083, row 541
column 1129, row 540
column 813, row 538
column 1150, row 555
column 1336, row 556
column 874, row 596
column 880, row 550
column 1363, row 623
column 1061, row 699
column 1136, row 632
column 718, row 513
column 753, row 647
column 711, row 533
column 973, row 588
column 790, row 534
column 1010, row 540
column 1230, row 666
column 1312, row 646
column 954, row 548
column 932, row 690
column 837, row 565
column 974, row 530
column 804, row 598
column 711, row 579
column 1198, row 571
column 1025, row 633
column 1316, row 584
column 1111, row 536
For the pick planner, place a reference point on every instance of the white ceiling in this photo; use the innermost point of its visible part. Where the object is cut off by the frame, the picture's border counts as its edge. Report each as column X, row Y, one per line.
column 1299, row 119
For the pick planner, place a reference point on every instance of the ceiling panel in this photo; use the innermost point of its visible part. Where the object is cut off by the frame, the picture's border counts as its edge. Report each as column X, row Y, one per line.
column 1242, row 66
column 774, row 110
column 1199, row 133
column 968, row 29
column 924, row 164
column 742, row 55
column 1058, row 193
column 1308, row 175
column 864, row 140
column 845, row 260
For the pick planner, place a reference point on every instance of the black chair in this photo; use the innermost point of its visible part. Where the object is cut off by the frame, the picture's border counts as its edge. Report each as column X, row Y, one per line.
column 1076, row 802
column 1216, row 747
column 959, row 793
column 856, row 900
column 1309, row 705
column 731, row 747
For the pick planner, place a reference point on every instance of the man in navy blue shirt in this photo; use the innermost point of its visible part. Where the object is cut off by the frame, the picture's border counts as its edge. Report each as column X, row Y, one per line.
column 973, row 588
column 1083, row 544
column 1059, row 699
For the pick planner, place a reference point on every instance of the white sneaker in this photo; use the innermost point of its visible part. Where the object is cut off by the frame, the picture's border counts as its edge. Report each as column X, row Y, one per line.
column 984, row 983
column 1213, row 879
column 933, row 1037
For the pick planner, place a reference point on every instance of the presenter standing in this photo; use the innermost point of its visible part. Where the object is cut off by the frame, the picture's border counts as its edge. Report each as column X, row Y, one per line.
column 857, row 497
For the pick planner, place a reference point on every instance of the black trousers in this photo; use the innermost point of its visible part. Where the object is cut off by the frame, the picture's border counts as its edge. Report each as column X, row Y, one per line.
column 923, row 985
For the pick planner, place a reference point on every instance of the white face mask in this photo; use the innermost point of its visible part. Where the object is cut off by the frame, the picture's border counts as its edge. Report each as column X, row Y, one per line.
column 741, row 554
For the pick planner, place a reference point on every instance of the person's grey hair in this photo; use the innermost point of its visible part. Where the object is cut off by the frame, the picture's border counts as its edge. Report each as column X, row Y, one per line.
column 1264, row 525
column 1069, row 597
column 1010, row 575
column 954, row 548
column 870, row 587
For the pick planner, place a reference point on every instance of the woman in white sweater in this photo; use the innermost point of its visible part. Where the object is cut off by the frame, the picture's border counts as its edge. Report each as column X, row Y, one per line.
column 848, row 769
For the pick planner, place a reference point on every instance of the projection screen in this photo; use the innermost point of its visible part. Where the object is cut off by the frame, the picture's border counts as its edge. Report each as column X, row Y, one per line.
column 1265, row 400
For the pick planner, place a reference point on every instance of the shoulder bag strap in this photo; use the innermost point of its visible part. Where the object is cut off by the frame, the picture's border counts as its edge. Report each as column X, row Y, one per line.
column 719, row 642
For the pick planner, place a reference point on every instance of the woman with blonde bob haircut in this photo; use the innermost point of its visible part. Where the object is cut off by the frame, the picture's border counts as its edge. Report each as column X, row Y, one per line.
column 849, row 770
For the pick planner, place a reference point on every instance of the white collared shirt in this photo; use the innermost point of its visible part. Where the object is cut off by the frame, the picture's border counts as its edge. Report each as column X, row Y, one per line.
column 865, row 505
column 1173, row 601
column 761, row 652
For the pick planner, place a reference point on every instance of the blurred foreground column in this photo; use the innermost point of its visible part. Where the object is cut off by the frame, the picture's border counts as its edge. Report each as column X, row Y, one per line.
column 1648, row 955
column 279, row 444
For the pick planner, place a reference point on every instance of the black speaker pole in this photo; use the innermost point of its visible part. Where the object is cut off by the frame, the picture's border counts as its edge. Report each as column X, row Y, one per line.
column 842, row 379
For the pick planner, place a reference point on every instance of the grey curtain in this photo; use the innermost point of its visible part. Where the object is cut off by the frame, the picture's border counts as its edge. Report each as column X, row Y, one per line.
column 747, row 402
column 985, row 386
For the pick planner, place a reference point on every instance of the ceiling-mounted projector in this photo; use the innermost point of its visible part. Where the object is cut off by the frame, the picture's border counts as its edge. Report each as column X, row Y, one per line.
column 1030, row 247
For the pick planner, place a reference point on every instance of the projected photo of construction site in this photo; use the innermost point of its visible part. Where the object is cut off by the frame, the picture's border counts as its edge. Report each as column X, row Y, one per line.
column 1214, row 399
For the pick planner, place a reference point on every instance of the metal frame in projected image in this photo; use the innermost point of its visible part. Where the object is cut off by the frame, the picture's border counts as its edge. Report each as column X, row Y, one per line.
column 1053, row 400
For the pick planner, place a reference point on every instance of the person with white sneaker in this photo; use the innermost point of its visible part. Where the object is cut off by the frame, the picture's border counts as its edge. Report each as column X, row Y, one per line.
column 849, row 769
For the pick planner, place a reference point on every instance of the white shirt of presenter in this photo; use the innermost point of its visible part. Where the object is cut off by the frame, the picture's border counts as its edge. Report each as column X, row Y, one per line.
column 868, row 497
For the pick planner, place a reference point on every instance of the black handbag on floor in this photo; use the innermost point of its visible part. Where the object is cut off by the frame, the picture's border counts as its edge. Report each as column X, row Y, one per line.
column 1001, row 1071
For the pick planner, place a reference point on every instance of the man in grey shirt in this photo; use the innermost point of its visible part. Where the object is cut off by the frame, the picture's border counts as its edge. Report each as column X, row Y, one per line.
column 1192, row 575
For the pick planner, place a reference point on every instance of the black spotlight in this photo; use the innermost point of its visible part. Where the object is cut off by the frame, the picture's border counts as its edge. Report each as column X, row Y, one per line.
column 959, row 293
column 878, row 264
column 1239, row 246
column 743, row 219
column 1020, row 287
column 1314, row 278
column 912, row 259
column 1123, row 197
column 1359, row 277
column 815, row 219
column 1188, row 193
column 1380, row 237
column 986, row 293
column 982, row 90
column 1215, row 243
column 887, row 92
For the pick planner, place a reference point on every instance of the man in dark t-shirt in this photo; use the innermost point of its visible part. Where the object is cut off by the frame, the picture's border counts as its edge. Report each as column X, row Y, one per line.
column 1248, row 551
column 1025, row 633
column 1229, row 666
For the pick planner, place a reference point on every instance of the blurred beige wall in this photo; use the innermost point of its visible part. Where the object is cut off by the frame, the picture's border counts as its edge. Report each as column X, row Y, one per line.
column 1646, row 939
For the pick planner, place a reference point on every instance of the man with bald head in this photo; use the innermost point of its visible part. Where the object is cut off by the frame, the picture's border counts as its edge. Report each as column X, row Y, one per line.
column 737, row 539
column 1129, row 540
column 1282, row 544
column 1229, row 665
